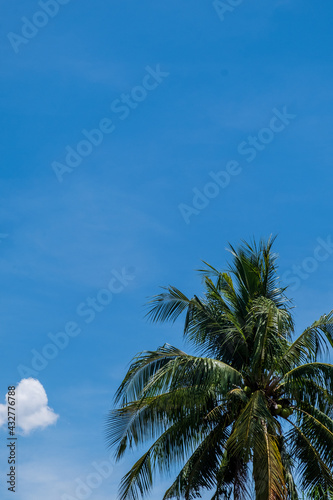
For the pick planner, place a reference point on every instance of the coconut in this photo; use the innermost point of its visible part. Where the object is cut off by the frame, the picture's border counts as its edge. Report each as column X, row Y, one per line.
column 278, row 409
column 285, row 413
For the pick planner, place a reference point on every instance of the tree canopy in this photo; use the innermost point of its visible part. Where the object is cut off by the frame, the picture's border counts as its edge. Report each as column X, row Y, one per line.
column 249, row 414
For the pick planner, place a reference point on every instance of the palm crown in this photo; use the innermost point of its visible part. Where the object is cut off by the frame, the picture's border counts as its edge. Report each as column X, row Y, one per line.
column 251, row 412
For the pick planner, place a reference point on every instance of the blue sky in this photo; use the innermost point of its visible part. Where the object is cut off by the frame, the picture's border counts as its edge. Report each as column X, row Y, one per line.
column 219, row 84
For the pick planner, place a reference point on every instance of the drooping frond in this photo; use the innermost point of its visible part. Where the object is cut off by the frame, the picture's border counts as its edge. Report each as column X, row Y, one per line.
column 232, row 479
column 288, row 464
column 145, row 419
column 142, row 368
column 312, row 468
column 169, row 449
column 318, row 429
column 321, row 373
column 200, row 470
column 270, row 481
column 308, row 391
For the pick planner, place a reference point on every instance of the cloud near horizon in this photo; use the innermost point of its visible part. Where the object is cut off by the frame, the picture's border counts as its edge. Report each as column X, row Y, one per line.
column 32, row 409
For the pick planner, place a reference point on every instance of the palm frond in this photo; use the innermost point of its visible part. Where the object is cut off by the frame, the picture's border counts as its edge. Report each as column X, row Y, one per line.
column 212, row 328
column 167, row 306
column 306, row 390
column 318, row 428
column 270, row 482
column 170, row 449
column 312, row 468
column 200, row 470
column 269, row 326
column 143, row 367
column 232, row 479
column 248, row 431
column 321, row 373
column 288, row 464
column 310, row 344
column 145, row 419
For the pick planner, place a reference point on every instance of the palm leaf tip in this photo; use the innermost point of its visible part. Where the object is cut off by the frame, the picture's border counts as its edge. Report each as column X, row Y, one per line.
column 167, row 306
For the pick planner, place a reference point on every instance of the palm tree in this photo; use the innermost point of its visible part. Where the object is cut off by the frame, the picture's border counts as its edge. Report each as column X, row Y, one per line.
column 248, row 416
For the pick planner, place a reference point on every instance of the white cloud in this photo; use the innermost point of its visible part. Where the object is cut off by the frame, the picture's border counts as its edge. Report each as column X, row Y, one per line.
column 31, row 407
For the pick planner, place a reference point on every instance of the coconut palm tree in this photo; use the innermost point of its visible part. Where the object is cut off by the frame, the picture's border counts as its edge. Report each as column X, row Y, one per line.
column 248, row 414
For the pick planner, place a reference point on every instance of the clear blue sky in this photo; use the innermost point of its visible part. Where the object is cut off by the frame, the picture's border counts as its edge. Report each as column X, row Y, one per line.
column 180, row 95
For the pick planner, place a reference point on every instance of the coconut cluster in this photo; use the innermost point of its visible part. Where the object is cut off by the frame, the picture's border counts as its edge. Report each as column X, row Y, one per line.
column 281, row 409
column 283, row 412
